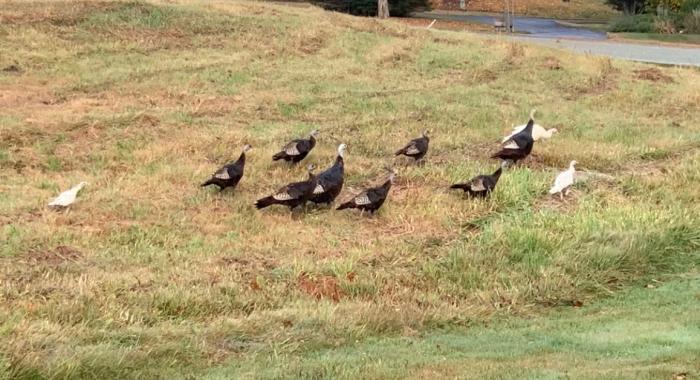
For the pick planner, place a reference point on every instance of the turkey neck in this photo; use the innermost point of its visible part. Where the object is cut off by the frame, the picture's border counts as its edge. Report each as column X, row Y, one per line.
column 339, row 162
column 386, row 186
column 528, row 127
column 312, row 140
column 497, row 174
column 241, row 158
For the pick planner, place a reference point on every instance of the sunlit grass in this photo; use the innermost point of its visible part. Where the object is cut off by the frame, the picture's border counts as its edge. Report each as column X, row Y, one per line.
column 149, row 275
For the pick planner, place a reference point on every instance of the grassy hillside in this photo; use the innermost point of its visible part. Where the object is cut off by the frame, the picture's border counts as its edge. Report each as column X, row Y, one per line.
column 150, row 275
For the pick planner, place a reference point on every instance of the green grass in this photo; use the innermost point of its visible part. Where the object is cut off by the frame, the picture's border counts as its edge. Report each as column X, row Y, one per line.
column 643, row 333
column 652, row 37
column 150, row 276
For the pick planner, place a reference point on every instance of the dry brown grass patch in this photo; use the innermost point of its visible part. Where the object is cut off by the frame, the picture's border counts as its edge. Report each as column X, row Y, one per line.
column 551, row 63
column 653, row 74
column 52, row 12
column 321, row 286
column 54, row 257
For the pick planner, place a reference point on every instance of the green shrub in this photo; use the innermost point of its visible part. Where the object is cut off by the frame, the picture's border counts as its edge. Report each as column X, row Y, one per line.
column 691, row 22
column 643, row 23
column 689, row 6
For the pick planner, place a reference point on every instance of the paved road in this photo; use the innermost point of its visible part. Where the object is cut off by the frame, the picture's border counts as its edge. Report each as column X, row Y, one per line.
column 669, row 55
column 535, row 27
column 550, row 33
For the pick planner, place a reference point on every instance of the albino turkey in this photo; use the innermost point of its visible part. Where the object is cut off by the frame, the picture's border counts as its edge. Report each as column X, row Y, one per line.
column 296, row 150
column 416, row 148
column 67, row 197
column 293, row 195
column 538, row 132
column 330, row 182
column 230, row 174
column 371, row 199
column 564, row 181
column 481, row 185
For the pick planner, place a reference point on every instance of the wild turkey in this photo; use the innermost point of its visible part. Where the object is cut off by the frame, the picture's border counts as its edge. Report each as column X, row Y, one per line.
column 67, row 197
column 330, row 182
column 371, row 199
column 538, row 132
column 564, row 181
column 293, row 195
column 519, row 145
column 230, row 174
column 296, row 150
column 481, row 185
column 416, row 148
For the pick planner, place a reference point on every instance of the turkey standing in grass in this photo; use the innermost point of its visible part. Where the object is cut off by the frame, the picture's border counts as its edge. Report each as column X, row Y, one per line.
column 330, row 182
column 230, row 174
column 371, row 199
column 416, row 148
column 564, row 181
column 296, row 150
column 481, row 185
column 519, row 145
column 538, row 132
column 293, row 195
column 67, row 197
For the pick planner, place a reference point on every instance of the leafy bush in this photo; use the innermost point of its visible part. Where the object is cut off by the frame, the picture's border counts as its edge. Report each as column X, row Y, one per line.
column 673, row 5
column 399, row 8
column 689, row 6
column 643, row 23
column 691, row 22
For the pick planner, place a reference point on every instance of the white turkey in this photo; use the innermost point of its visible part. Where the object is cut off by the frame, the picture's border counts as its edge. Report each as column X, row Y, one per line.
column 67, row 197
column 538, row 132
column 564, row 181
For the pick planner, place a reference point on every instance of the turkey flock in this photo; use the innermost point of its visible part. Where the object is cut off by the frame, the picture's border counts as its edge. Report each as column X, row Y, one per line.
column 325, row 187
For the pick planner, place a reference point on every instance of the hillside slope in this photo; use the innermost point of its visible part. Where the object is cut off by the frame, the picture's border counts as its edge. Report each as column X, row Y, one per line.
column 149, row 275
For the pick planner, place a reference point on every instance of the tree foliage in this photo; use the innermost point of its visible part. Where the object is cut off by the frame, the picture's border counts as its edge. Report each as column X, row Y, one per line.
column 629, row 7
column 399, row 8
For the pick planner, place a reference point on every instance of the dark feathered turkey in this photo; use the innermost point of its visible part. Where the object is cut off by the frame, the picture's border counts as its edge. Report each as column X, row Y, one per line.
column 371, row 199
column 518, row 146
column 481, row 185
column 293, row 195
column 230, row 174
column 330, row 182
column 416, row 148
column 297, row 150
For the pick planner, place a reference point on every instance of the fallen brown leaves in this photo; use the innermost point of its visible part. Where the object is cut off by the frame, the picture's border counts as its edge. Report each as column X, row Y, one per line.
column 319, row 287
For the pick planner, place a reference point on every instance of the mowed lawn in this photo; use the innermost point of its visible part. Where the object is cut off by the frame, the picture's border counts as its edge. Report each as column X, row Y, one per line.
column 150, row 276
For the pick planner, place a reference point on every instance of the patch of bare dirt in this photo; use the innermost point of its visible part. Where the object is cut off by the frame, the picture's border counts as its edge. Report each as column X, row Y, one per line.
column 653, row 74
column 56, row 256
column 12, row 69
